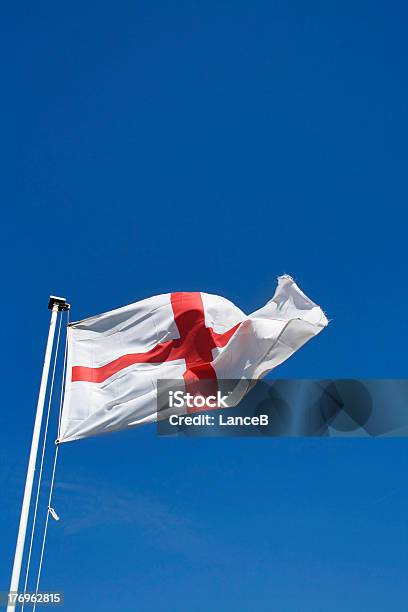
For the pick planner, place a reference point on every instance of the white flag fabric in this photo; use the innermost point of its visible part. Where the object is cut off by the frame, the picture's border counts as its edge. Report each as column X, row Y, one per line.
column 116, row 359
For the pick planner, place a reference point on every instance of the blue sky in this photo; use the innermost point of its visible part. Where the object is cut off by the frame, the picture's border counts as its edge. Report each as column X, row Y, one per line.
column 149, row 147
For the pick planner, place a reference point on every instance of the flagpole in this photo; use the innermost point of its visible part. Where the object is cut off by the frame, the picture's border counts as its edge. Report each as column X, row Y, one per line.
column 55, row 304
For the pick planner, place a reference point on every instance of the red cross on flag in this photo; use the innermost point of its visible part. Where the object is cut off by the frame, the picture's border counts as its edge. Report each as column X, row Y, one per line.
column 116, row 359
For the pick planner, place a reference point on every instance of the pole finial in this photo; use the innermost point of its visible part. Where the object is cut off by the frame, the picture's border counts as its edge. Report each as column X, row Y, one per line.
column 59, row 301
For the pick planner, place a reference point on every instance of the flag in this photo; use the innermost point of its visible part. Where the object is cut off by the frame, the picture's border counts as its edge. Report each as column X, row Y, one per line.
column 115, row 360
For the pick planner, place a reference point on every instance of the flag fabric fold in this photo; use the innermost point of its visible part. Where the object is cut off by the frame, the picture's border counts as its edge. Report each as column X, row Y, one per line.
column 115, row 359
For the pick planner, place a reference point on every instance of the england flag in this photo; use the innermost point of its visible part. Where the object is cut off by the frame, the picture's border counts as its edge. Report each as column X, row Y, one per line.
column 115, row 359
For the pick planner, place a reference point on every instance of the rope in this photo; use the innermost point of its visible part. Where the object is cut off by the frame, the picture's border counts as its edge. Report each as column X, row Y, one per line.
column 42, row 461
column 64, row 376
column 46, row 526
column 53, row 470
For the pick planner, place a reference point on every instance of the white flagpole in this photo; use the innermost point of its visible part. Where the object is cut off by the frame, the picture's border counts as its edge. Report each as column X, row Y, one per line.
column 55, row 304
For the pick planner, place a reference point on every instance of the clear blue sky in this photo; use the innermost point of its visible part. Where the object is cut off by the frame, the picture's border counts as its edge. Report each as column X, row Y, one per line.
column 157, row 146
